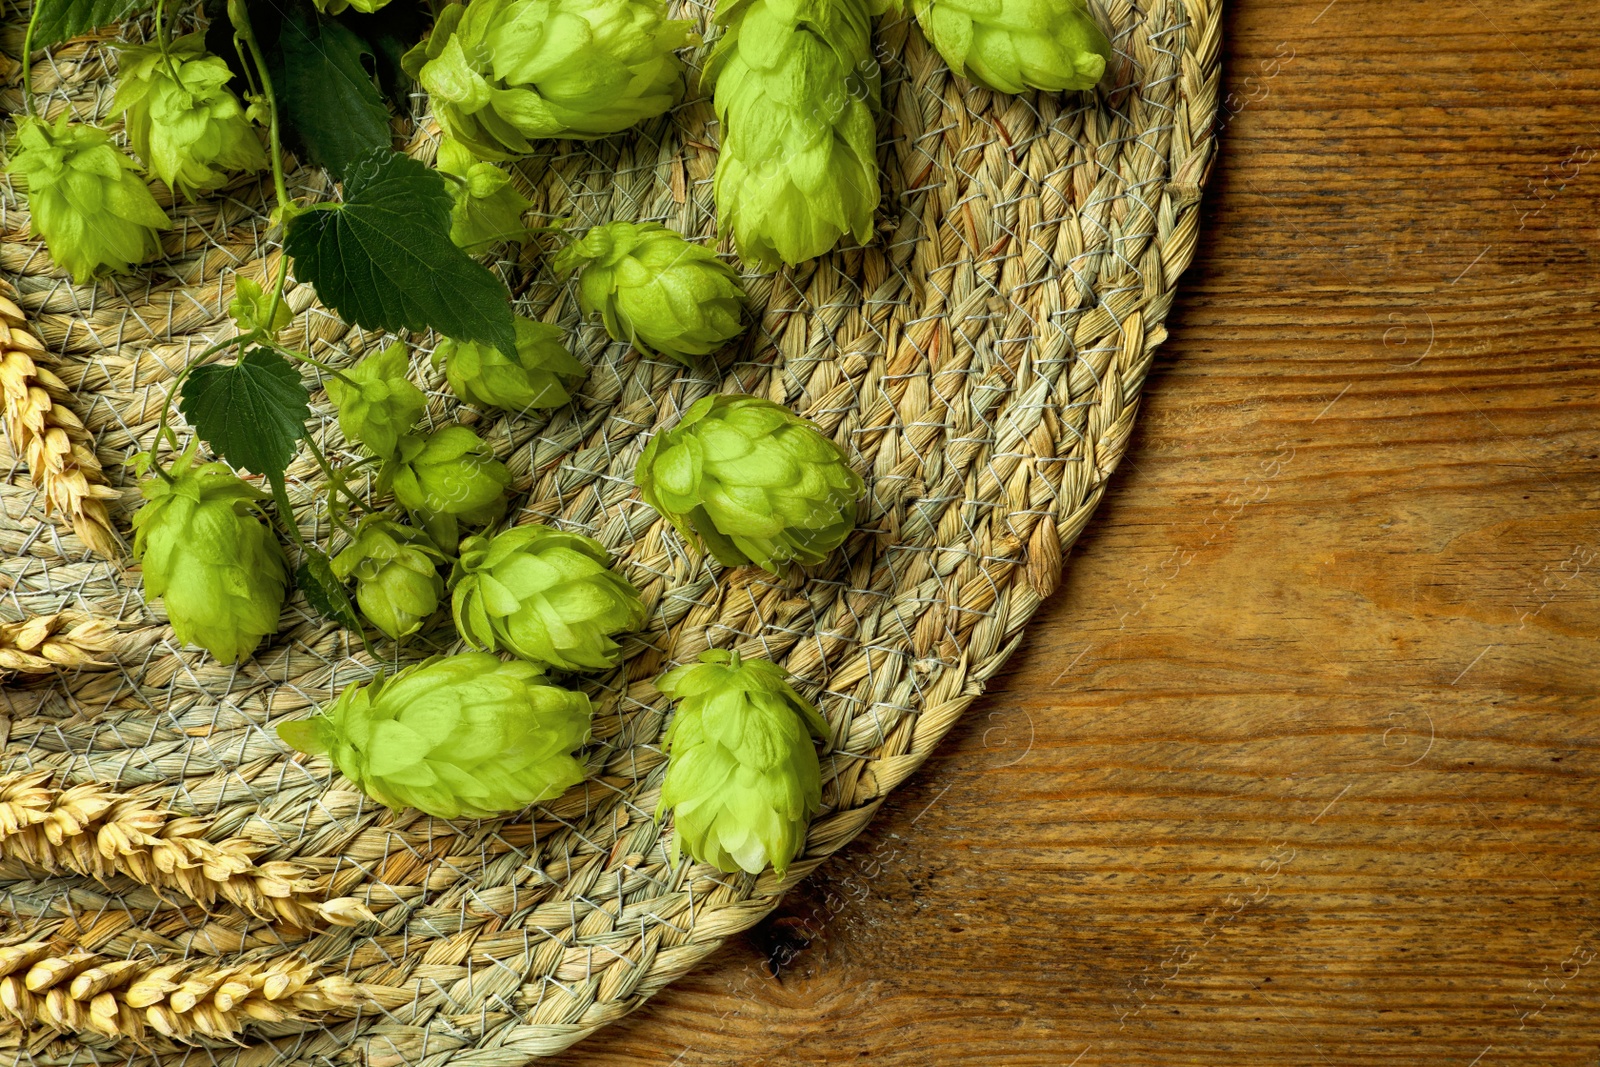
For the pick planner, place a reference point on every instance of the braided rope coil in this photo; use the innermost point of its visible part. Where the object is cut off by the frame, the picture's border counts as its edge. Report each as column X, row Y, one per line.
column 980, row 361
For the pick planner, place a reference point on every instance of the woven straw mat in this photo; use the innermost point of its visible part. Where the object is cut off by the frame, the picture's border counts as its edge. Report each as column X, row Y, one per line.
column 180, row 887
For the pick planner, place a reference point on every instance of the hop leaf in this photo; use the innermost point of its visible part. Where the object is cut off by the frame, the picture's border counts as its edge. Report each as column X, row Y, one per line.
column 447, row 477
column 1017, row 45
column 540, row 376
column 84, row 198
column 208, row 555
column 396, row 569
column 384, row 259
column 378, row 403
column 545, row 595
column 463, row 736
column 743, row 781
column 182, row 119
column 252, row 412
column 754, row 480
column 654, row 289
column 488, row 209
column 796, row 91
column 505, row 72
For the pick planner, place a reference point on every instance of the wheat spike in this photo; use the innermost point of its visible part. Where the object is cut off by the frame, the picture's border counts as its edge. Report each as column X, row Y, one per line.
column 44, row 431
column 45, row 642
column 89, row 829
column 82, row 992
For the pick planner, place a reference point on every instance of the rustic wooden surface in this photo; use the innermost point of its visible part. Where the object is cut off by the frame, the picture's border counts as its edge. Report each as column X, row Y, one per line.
column 1302, row 765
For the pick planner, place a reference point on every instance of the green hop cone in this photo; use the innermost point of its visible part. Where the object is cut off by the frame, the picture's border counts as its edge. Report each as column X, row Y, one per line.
column 447, row 477
column 797, row 92
column 1017, row 45
column 544, row 595
column 253, row 308
column 487, row 209
column 462, row 736
column 743, row 781
column 381, row 405
column 396, row 569
column 182, row 119
column 84, row 198
column 338, row 7
column 654, row 289
column 503, row 73
column 756, row 481
column 541, row 375
column 207, row 553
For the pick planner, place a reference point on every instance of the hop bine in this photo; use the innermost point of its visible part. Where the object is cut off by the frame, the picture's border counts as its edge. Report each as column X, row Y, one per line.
column 207, row 553
column 544, row 595
column 755, row 481
column 84, row 198
column 502, row 73
column 743, row 781
column 182, row 119
column 460, row 736
column 396, row 569
column 654, row 289
column 541, row 376
column 1017, row 45
column 378, row 403
column 797, row 92
column 487, row 208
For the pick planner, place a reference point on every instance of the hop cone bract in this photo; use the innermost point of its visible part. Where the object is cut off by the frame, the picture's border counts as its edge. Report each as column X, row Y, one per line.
column 743, row 781
column 505, row 72
column 84, row 198
column 487, row 209
column 756, row 481
column 379, row 403
column 1017, row 45
column 190, row 130
column 209, row 556
column 654, row 289
column 466, row 735
column 540, row 376
column 797, row 91
column 396, row 569
column 544, row 595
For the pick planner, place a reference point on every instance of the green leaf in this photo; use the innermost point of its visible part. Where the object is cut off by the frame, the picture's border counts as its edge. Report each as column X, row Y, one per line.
column 329, row 98
column 251, row 412
column 323, row 590
column 383, row 259
column 60, row 19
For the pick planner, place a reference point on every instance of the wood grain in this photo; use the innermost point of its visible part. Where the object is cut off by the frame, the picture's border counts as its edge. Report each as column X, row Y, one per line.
column 1301, row 765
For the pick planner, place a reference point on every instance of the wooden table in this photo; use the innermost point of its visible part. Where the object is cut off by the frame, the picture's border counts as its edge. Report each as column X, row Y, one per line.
column 1302, row 764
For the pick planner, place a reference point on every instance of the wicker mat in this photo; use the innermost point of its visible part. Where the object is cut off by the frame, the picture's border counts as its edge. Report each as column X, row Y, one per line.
column 179, row 888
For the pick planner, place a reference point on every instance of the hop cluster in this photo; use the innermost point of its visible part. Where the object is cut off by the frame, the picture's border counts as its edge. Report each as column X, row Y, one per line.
column 743, row 781
column 466, row 735
column 757, row 482
column 487, row 208
column 544, row 595
column 376, row 401
column 396, row 569
column 654, row 289
column 502, row 73
column 210, row 557
column 84, row 198
column 540, row 376
column 797, row 92
column 1017, row 45
column 182, row 119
